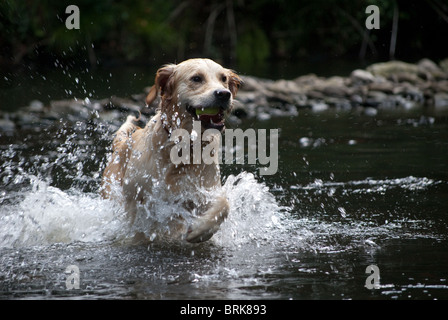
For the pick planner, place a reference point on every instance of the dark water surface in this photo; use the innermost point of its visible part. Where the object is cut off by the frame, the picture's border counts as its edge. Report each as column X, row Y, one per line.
column 350, row 191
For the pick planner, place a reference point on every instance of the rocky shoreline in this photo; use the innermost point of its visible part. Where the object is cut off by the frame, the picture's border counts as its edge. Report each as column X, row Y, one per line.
column 390, row 85
column 393, row 85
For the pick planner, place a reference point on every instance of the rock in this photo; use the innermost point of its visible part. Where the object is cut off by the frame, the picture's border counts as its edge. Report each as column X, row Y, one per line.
column 409, row 91
column 122, row 104
column 111, row 115
column 387, row 69
column 444, row 65
column 356, row 99
column 431, row 70
column 253, row 84
column 36, row 106
column 284, row 86
column 282, row 98
column 405, row 77
column 313, row 94
column 404, row 102
column 375, row 98
column 441, row 101
column 371, row 112
column 361, row 76
column 246, row 97
column 6, row 125
column 62, row 107
column 30, row 120
column 263, row 116
column 440, row 86
column 319, row 106
column 339, row 91
column 139, row 98
column 386, row 87
column 307, row 80
column 338, row 103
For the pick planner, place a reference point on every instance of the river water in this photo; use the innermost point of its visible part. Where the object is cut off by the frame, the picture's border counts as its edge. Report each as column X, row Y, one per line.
column 351, row 191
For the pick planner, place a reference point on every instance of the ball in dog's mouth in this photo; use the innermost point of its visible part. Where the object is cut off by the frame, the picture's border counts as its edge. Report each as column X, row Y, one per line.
column 210, row 117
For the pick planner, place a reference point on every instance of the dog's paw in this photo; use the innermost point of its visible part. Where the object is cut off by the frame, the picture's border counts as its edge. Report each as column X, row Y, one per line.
column 205, row 226
column 202, row 230
column 197, row 234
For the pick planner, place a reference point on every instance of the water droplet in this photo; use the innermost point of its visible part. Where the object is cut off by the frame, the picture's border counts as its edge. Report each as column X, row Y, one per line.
column 306, row 161
column 76, row 80
column 342, row 212
column 305, row 141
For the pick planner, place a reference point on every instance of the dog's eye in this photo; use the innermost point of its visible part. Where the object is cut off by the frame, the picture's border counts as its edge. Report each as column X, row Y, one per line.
column 196, row 79
column 224, row 79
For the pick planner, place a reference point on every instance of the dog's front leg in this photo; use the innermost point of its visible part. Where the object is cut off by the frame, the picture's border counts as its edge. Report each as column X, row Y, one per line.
column 206, row 225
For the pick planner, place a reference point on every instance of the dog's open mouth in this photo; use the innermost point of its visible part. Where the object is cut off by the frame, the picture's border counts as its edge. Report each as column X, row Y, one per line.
column 210, row 117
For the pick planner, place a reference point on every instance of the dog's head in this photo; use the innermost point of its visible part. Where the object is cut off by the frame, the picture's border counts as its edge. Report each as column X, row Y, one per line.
column 196, row 89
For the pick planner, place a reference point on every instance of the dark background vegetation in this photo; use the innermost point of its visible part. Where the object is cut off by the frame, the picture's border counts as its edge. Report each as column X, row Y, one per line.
column 244, row 33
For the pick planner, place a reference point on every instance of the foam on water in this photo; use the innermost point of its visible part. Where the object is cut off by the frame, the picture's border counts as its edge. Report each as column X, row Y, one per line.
column 372, row 185
column 42, row 214
column 43, row 199
column 254, row 212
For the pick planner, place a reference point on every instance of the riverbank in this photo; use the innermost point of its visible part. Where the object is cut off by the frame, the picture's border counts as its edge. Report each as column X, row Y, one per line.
column 393, row 85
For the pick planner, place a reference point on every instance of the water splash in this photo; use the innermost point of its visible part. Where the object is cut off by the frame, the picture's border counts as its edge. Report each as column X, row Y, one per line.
column 44, row 215
column 254, row 212
column 36, row 213
column 51, row 196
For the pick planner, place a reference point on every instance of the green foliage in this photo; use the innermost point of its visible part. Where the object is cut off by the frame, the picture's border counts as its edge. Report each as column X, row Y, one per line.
column 251, row 31
column 253, row 47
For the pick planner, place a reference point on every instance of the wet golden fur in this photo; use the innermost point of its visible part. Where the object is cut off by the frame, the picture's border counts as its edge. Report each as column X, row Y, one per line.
column 141, row 156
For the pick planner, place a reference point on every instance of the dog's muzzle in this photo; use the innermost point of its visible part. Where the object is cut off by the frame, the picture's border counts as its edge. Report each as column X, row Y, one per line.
column 212, row 116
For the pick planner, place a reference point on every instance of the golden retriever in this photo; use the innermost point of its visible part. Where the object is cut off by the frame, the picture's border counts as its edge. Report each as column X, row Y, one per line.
column 194, row 90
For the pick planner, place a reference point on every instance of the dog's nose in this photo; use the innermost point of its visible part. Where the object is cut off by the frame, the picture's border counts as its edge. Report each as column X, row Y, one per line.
column 222, row 94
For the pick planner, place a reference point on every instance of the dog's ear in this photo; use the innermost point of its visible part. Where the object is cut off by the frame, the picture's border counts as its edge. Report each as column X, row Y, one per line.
column 162, row 83
column 235, row 82
column 152, row 95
